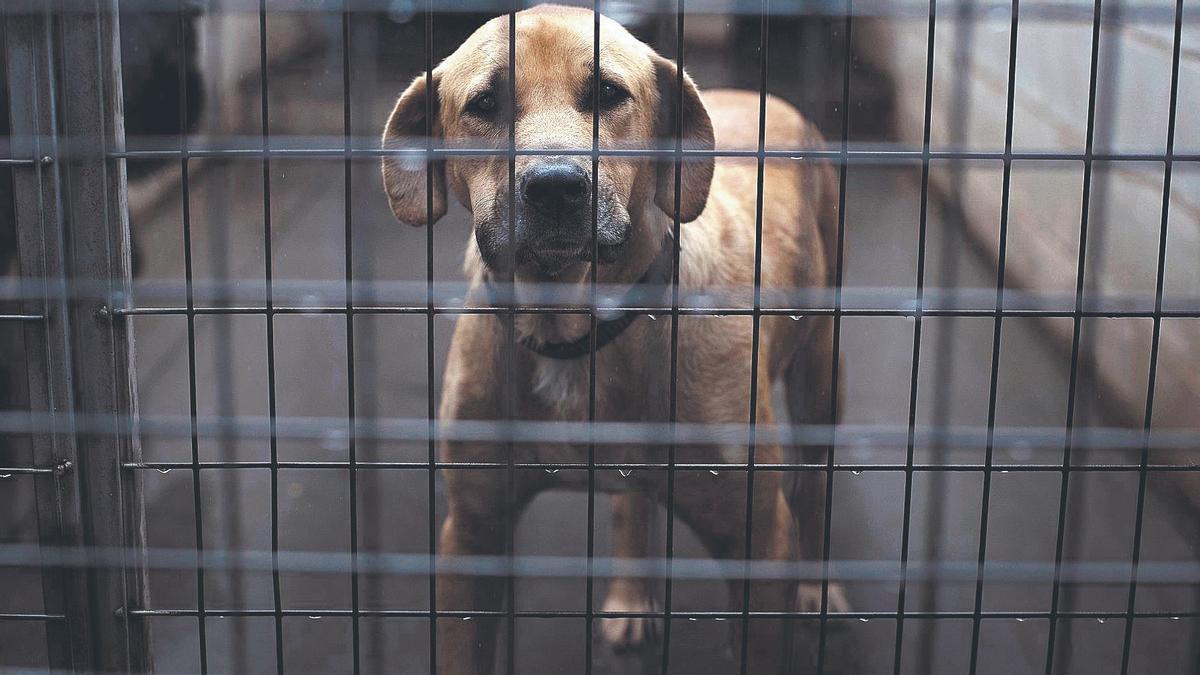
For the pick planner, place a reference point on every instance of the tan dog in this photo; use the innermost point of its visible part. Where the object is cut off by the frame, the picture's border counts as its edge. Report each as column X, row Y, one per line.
column 635, row 204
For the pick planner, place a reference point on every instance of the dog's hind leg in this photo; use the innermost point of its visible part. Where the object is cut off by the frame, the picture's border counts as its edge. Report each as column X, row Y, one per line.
column 809, row 392
column 632, row 514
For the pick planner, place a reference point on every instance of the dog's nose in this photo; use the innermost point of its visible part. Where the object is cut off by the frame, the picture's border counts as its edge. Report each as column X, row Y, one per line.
column 556, row 188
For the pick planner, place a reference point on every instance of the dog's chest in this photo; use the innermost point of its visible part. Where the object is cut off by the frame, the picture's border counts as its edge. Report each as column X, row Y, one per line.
column 560, row 390
column 561, row 386
column 628, row 385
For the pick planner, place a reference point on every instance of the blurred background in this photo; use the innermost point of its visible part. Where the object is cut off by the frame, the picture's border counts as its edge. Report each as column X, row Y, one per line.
column 192, row 78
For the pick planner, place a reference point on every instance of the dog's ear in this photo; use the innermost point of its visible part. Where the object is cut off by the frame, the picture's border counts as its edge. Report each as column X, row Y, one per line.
column 697, row 134
column 405, row 176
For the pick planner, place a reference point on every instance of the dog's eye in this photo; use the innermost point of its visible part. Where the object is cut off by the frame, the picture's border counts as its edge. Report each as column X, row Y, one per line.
column 612, row 94
column 483, row 104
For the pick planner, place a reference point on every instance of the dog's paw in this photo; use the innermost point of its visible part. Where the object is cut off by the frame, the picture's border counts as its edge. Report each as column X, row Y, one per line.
column 808, row 598
column 628, row 633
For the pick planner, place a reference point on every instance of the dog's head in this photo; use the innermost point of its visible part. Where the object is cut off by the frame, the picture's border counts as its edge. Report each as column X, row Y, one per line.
column 472, row 108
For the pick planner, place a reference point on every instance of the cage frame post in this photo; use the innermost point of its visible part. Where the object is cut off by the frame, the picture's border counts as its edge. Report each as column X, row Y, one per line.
column 96, row 229
column 40, row 256
column 72, row 227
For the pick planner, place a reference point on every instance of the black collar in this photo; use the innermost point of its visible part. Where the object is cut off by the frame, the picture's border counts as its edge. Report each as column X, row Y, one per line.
column 645, row 293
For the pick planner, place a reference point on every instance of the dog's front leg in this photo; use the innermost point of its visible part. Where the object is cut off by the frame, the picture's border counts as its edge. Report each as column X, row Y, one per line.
column 632, row 514
column 474, row 527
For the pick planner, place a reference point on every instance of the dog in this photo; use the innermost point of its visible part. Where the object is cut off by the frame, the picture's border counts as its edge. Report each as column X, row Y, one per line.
column 542, row 235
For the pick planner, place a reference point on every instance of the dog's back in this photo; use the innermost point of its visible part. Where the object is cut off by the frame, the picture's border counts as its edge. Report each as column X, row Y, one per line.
column 798, row 213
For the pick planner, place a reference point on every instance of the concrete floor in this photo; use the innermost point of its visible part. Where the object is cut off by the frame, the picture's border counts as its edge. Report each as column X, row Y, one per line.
column 308, row 200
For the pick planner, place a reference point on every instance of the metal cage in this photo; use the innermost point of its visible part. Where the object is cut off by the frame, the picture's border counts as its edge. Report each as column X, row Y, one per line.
column 77, row 444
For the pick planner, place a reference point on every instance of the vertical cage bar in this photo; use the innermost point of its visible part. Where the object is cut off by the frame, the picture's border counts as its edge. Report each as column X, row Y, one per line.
column 194, row 437
column 1148, row 419
column 348, row 246
column 431, row 411
column 754, row 335
column 589, row 609
column 834, row 388
column 268, row 278
column 1076, row 330
column 510, row 340
column 674, row 386
column 916, row 350
column 1101, row 181
column 41, row 256
column 945, row 339
column 993, row 383
column 218, row 207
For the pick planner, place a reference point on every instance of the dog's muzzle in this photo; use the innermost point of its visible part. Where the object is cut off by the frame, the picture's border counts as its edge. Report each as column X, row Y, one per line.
column 556, row 224
column 556, row 190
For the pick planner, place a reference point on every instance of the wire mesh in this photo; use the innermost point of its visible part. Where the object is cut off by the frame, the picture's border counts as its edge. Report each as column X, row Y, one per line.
column 80, row 431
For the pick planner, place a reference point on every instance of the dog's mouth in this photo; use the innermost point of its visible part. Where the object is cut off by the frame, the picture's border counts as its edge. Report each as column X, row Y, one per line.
column 548, row 249
column 551, row 258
